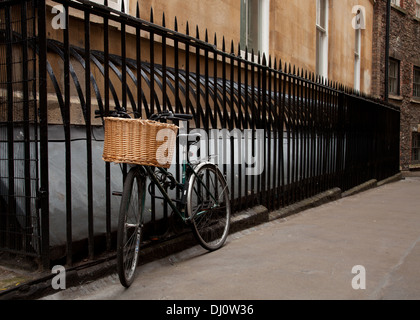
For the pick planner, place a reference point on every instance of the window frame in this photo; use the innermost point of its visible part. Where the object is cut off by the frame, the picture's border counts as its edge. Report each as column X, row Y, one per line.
column 321, row 64
column 357, row 58
column 397, row 3
column 415, row 148
column 263, row 27
column 396, row 78
column 416, row 85
column 417, row 5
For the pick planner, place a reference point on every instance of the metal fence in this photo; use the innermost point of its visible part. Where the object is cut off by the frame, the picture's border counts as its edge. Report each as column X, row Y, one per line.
column 56, row 192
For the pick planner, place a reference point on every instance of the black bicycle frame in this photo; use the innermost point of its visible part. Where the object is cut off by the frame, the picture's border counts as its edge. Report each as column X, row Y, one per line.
column 185, row 186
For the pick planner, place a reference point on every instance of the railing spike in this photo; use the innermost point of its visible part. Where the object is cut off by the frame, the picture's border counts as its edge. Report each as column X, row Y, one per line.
column 176, row 24
column 122, row 6
column 215, row 39
column 151, row 14
column 232, row 51
column 197, row 32
column 187, row 29
column 137, row 10
column 206, row 36
column 223, row 44
column 163, row 20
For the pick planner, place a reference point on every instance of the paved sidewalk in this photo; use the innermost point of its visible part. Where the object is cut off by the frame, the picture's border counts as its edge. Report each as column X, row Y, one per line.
column 309, row 255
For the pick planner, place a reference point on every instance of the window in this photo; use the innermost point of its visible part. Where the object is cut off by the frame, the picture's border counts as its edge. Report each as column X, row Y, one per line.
column 418, row 8
column 415, row 154
column 396, row 2
column 394, row 77
column 322, row 37
column 416, row 82
column 255, row 25
column 115, row 4
column 357, row 50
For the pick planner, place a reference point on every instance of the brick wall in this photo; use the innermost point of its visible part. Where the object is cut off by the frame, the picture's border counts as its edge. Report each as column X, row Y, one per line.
column 404, row 45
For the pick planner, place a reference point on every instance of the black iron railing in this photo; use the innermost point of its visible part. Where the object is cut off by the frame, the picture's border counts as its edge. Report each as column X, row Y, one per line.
column 304, row 134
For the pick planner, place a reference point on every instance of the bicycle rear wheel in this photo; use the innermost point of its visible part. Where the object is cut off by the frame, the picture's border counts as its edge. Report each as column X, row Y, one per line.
column 130, row 224
column 208, row 206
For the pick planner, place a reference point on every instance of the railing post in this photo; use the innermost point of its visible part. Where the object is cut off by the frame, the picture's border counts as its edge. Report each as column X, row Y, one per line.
column 43, row 129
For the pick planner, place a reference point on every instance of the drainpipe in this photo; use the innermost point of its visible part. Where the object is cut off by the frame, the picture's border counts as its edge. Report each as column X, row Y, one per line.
column 388, row 22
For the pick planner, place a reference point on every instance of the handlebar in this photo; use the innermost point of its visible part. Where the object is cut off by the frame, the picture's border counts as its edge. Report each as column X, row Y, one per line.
column 171, row 116
column 164, row 115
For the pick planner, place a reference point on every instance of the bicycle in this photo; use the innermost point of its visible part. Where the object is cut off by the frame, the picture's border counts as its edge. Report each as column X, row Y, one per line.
column 204, row 202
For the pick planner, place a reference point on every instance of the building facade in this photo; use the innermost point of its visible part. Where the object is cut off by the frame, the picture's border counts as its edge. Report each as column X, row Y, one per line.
column 319, row 36
column 404, row 70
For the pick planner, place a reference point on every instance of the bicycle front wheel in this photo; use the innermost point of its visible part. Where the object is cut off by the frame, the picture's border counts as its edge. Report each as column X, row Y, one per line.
column 130, row 224
column 208, row 206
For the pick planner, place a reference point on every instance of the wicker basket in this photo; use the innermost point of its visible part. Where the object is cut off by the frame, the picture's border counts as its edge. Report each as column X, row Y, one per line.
column 139, row 141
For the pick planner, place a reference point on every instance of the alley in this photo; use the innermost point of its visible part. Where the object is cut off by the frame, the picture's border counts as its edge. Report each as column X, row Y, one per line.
column 366, row 246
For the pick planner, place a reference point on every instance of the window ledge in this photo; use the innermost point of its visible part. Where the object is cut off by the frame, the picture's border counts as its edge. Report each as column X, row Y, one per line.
column 395, row 97
column 415, row 100
column 401, row 10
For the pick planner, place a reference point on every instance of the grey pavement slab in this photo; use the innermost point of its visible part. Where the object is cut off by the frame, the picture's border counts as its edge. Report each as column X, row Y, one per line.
column 309, row 255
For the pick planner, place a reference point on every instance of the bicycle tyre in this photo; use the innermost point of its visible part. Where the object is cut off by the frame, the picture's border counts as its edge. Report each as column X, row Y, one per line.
column 210, row 219
column 130, row 224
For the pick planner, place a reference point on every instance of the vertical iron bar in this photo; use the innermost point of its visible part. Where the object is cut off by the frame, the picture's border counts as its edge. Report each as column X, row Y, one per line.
column 187, row 75
column 67, row 136
column 225, row 114
column 107, row 164
column 197, row 81
column 239, row 139
column 138, row 62
column 258, row 122
column 282, row 91
column 10, row 127
column 305, row 102
column 275, row 130
column 43, row 126
column 264, row 101
column 268, row 118
column 246, row 124
column 253, row 125
column 294, row 136
column 26, row 132
column 165, row 106
column 177, row 101
column 88, row 134
column 152, row 107
column 299, row 140
column 231, row 126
